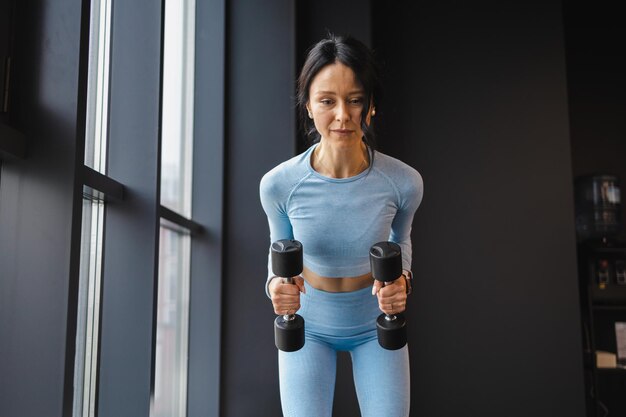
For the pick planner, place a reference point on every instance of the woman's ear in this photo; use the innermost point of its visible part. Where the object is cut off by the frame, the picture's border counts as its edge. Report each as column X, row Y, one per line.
column 370, row 113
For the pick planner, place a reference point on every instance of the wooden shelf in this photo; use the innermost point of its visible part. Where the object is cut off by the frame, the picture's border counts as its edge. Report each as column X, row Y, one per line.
column 613, row 295
column 619, row 371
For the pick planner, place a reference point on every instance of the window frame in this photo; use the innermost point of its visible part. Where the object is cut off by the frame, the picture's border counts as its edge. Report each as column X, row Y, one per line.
column 131, row 189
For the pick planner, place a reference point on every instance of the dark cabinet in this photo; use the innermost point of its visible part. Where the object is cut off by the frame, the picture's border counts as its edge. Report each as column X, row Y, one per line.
column 595, row 36
column 602, row 274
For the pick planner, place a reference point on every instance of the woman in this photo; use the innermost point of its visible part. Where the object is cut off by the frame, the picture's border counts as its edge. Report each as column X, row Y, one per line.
column 338, row 198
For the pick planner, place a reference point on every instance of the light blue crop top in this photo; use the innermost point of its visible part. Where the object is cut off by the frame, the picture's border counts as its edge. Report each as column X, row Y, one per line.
column 337, row 220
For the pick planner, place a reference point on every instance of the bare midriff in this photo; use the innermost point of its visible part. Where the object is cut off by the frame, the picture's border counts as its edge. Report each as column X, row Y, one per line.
column 341, row 284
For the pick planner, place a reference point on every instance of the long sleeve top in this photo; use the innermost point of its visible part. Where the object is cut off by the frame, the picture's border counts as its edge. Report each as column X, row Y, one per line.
column 337, row 220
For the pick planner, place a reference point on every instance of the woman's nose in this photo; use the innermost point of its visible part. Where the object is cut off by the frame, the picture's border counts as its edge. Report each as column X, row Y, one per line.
column 342, row 114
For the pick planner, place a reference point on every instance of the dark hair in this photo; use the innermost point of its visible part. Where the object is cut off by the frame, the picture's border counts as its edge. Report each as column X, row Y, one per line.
column 356, row 56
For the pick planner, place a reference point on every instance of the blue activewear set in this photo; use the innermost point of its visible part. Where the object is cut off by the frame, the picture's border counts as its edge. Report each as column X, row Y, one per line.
column 337, row 220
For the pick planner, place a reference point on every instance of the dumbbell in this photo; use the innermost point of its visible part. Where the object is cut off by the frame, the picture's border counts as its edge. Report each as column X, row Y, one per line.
column 287, row 263
column 386, row 265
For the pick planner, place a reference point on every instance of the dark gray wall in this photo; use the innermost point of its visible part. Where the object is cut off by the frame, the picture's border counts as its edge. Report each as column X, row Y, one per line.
column 314, row 19
column 259, row 134
column 36, row 211
column 476, row 101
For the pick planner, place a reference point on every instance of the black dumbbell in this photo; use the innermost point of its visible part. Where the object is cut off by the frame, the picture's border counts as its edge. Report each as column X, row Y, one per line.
column 287, row 263
column 386, row 265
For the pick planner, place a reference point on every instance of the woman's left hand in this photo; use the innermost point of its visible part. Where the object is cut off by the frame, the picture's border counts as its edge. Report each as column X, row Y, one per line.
column 391, row 296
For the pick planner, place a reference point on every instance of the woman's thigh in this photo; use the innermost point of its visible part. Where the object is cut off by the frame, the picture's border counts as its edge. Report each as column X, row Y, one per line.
column 307, row 380
column 382, row 380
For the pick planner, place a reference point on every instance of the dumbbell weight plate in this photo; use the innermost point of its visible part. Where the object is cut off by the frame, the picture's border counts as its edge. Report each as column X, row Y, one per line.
column 391, row 333
column 289, row 334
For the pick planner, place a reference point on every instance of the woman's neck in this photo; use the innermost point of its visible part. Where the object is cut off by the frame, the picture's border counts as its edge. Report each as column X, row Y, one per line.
column 340, row 161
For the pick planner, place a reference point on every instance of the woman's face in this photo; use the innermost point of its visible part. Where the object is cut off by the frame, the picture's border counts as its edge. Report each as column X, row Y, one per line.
column 336, row 100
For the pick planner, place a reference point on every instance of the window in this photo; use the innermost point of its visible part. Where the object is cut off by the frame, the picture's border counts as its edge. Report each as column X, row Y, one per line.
column 98, row 85
column 85, row 369
column 177, row 106
column 172, row 337
column 170, row 391
column 138, row 322
column 89, row 287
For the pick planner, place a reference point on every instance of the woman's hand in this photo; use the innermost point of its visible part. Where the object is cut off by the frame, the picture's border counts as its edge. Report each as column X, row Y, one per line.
column 391, row 296
column 286, row 297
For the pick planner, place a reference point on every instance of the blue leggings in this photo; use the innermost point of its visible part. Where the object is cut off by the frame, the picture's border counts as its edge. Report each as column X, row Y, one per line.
column 343, row 322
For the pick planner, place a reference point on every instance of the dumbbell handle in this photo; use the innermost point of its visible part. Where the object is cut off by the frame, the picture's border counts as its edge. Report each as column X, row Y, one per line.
column 390, row 317
column 386, row 264
column 288, row 317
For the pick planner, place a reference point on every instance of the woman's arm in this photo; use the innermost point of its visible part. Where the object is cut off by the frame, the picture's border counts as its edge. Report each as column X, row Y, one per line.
column 411, row 192
column 392, row 297
column 273, row 200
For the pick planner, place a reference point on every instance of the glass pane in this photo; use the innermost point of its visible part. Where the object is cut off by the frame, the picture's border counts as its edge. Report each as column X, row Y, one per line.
column 177, row 111
column 98, row 85
column 170, row 387
column 88, row 320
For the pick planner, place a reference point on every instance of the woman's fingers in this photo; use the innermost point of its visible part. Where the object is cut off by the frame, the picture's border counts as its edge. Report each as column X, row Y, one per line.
column 299, row 281
column 392, row 308
column 286, row 309
column 392, row 288
column 286, row 297
column 392, row 297
column 376, row 287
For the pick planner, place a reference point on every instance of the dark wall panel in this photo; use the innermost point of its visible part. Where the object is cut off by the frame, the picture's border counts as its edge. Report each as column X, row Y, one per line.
column 476, row 101
column 259, row 134
column 36, row 210
column 314, row 19
column 205, row 310
column 131, row 231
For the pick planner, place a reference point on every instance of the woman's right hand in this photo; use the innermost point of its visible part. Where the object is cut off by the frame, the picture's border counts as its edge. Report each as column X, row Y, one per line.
column 286, row 297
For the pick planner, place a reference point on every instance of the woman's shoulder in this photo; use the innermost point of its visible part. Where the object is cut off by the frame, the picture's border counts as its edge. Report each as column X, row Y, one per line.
column 282, row 178
column 405, row 177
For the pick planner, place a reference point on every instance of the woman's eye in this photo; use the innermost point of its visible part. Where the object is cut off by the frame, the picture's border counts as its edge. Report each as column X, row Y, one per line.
column 356, row 101
column 326, row 101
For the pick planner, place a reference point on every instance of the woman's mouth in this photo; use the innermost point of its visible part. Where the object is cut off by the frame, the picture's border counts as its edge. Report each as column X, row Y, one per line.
column 342, row 131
